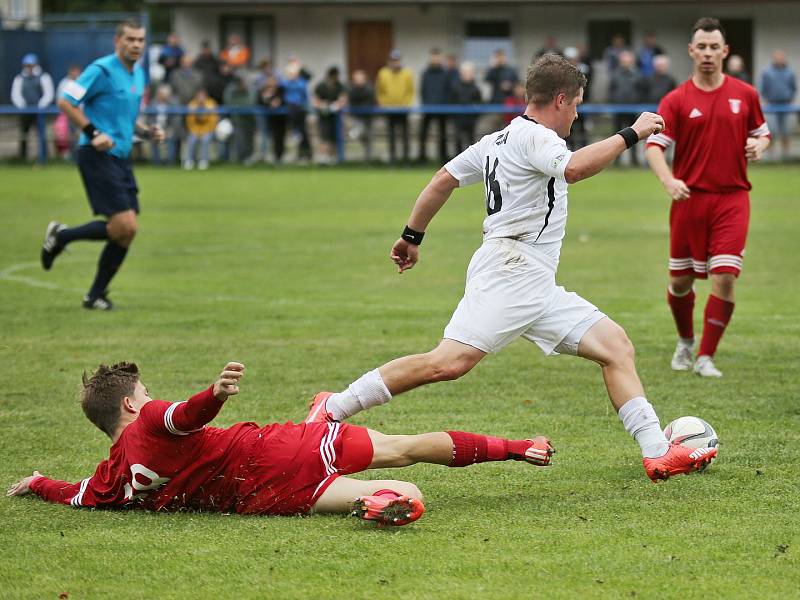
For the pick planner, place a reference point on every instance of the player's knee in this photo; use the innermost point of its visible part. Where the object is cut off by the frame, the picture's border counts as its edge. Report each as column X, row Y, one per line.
column 618, row 347
column 123, row 232
column 681, row 285
column 623, row 347
column 446, row 363
column 448, row 369
column 722, row 285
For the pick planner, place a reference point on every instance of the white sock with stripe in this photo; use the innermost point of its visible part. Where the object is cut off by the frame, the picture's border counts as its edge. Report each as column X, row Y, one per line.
column 640, row 420
column 365, row 392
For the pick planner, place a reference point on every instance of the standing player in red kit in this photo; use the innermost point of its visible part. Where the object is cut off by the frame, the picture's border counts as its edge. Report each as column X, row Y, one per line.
column 716, row 124
column 164, row 457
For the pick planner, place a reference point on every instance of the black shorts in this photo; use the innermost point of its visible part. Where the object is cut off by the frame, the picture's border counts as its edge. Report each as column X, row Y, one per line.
column 109, row 182
column 327, row 128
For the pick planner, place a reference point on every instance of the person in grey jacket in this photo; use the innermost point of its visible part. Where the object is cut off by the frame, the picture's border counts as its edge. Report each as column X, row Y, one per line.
column 465, row 92
column 238, row 94
column 185, row 80
column 778, row 88
column 164, row 114
column 31, row 88
column 434, row 90
column 626, row 87
column 661, row 82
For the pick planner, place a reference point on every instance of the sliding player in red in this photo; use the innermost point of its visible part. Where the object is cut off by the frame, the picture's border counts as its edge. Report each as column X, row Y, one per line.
column 164, row 457
column 716, row 124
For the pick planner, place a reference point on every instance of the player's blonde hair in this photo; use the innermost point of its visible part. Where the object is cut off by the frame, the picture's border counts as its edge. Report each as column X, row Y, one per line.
column 550, row 76
column 103, row 391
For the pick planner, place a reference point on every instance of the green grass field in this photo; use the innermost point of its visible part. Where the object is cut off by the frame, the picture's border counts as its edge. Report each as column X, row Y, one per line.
column 288, row 272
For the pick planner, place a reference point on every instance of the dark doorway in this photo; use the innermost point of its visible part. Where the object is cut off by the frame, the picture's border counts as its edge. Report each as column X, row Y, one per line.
column 739, row 34
column 368, row 46
column 601, row 32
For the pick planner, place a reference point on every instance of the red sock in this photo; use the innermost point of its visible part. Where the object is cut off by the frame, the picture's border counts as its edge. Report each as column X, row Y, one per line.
column 717, row 315
column 471, row 448
column 683, row 312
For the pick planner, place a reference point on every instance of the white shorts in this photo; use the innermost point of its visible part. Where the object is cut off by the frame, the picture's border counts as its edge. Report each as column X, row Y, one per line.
column 511, row 291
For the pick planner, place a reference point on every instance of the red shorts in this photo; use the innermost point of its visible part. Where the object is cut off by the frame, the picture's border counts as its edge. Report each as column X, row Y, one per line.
column 291, row 465
column 708, row 233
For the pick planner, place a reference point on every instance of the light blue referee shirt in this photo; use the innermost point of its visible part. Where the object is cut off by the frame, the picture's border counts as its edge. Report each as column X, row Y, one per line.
column 110, row 95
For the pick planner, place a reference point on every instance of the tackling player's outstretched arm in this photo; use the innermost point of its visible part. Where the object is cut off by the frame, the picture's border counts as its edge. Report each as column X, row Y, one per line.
column 51, row 490
column 186, row 417
column 405, row 252
column 592, row 159
column 98, row 489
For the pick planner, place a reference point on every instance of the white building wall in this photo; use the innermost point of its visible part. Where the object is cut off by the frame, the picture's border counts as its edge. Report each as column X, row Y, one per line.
column 21, row 13
column 317, row 34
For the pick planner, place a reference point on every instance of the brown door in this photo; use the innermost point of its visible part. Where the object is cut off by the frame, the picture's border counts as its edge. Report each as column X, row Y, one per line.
column 368, row 46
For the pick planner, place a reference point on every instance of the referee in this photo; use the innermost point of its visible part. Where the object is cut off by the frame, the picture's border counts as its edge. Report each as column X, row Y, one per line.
column 104, row 103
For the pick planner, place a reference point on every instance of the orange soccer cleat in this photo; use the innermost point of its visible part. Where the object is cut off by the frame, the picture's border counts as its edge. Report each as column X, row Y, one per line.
column 677, row 461
column 388, row 510
column 317, row 413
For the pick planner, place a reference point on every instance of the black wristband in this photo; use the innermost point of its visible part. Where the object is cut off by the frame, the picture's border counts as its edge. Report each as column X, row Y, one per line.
column 630, row 136
column 412, row 237
column 91, row 131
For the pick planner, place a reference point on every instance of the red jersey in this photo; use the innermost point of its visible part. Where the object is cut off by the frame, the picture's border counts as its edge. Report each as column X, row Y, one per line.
column 710, row 130
column 168, row 460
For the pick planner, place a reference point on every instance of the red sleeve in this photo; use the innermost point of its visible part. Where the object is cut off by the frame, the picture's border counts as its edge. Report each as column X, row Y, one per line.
column 53, row 490
column 101, row 489
column 182, row 418
column 756, row 124
column 667, row 110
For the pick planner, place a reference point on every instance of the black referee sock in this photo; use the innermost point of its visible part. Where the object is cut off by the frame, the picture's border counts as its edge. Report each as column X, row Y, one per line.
column 110, row 260
column 93, row 230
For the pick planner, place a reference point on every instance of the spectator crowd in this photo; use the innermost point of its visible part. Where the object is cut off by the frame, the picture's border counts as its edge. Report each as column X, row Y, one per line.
column 214, row 105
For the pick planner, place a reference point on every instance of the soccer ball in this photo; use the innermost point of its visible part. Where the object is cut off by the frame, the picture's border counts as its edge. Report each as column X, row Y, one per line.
column 691, row 432
column 224, row 130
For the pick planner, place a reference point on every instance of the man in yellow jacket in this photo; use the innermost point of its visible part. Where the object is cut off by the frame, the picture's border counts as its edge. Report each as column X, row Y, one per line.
column 394, row 88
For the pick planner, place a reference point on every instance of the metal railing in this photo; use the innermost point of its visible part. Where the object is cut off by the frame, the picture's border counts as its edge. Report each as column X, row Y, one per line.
column 445, row 109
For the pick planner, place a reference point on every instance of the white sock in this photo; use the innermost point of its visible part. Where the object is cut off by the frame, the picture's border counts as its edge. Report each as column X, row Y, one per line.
column 640, row 420
column 365, row 392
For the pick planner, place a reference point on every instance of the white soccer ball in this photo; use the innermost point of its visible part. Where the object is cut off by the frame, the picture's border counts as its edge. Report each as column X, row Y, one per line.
column 224, row 130
column 691, row 432
column 157, row 72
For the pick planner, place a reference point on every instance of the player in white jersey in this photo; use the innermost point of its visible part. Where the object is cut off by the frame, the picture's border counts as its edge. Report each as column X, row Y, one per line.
column 511, row 288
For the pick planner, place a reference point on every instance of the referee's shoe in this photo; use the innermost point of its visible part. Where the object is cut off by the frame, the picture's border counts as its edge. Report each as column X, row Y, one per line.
column 100, row 302
column 50, row 247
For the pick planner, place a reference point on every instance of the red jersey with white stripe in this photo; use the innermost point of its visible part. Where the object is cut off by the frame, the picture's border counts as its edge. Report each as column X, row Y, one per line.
column 710, row 130
column 168, row 459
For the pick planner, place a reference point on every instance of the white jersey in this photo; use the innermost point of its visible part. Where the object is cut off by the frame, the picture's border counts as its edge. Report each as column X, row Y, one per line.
column 522, row 169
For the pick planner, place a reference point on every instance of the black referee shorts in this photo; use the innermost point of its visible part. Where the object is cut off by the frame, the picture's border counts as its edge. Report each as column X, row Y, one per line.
column 109, row 182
